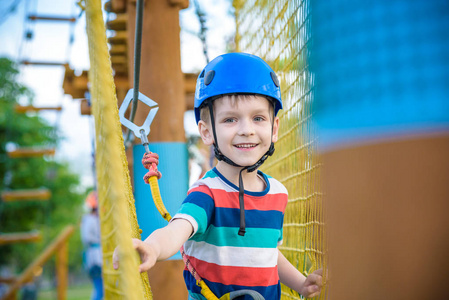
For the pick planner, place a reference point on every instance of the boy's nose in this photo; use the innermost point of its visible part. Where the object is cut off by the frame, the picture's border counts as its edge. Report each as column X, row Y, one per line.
column 246, row 127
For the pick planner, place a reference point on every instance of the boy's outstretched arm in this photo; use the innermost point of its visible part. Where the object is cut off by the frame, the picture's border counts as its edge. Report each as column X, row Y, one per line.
column 160, row 245
column 309, row 286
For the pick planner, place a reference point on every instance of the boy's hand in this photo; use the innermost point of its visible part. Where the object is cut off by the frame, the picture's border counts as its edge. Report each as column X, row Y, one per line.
column 313, row 284
column 147, row 255
column 146, row 252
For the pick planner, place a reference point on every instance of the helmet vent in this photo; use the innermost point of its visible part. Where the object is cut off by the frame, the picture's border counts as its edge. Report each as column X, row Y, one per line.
column 202, row 74
column 275, row 79
column 209, row 76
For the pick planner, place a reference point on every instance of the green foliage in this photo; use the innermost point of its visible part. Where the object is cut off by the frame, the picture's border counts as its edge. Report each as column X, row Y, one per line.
column 65, row 205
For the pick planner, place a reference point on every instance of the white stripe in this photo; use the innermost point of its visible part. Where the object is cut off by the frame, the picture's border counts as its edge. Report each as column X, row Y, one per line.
column 214, row 183
column 276, row 187
column 232, row 256
column 217, row 183
column 189, row 219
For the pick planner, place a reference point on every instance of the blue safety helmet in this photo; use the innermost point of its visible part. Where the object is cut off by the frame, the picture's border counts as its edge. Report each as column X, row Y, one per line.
column 237, row 73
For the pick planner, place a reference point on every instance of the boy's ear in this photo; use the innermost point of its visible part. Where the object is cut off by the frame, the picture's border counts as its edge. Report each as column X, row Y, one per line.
column 275, row 129
column 206, row 133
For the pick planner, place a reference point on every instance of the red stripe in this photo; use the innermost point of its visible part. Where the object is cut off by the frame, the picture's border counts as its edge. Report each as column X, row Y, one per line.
column 268, row 202
column 245, row 276
column 202, row 188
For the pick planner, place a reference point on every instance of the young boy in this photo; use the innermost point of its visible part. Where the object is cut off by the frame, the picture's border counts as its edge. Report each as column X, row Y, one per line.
column 231, row 221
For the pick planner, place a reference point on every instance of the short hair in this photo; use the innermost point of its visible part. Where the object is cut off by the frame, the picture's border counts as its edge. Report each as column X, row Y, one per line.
column 204, row 109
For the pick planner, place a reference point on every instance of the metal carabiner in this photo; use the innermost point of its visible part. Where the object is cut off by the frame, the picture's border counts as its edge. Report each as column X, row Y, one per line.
column 139, row 131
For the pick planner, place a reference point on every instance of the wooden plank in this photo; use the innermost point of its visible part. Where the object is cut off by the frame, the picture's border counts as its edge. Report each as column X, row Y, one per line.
column 30, row 152
column 41, row 194
column 22, row 237
column 51, row 18
column 119, row 23
column 115, row 6
column 181, row 4
column 27, row 108
column 120, row 37
column 43, row 63
column 118, row 49
column 119, row 59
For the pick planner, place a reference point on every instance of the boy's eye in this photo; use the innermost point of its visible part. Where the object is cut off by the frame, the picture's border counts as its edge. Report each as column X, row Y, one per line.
column 258, row 119
column 228, row 120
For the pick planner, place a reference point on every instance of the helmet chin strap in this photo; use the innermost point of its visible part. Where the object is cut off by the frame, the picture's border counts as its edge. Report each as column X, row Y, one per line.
column 221, row 157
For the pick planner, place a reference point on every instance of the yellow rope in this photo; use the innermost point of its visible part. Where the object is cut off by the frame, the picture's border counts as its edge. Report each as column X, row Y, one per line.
column 117, row 210
column 155, row 192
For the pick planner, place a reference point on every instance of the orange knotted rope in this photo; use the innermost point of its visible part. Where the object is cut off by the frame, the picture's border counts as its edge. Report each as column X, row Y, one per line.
column 150, row 161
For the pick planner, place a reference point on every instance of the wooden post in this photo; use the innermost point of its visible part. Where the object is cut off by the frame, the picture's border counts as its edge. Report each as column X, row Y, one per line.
column 161, row 77
column 62, row 270
column 162, row 80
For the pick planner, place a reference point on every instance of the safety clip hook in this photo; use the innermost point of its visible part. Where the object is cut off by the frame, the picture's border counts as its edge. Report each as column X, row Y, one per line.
column 139, row 131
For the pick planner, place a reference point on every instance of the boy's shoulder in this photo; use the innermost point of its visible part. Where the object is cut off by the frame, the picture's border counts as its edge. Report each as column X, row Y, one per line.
column 275, row 185
column 210, row 179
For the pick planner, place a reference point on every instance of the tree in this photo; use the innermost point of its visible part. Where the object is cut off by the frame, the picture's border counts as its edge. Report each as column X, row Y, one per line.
column 65, row 205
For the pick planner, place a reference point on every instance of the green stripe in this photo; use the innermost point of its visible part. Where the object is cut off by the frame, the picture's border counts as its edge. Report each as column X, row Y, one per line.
column 227, row 236
column 197, row 296
column 198, row 213
column 210, row 174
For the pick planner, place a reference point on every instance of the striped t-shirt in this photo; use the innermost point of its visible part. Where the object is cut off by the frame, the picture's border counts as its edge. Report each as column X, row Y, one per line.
column 226, row 261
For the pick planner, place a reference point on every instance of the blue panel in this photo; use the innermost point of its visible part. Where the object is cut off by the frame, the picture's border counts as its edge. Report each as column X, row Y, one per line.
column 173, row 164
column 381, row 69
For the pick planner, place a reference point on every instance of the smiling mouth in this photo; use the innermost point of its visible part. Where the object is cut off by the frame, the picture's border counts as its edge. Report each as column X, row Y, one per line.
column 245, row 146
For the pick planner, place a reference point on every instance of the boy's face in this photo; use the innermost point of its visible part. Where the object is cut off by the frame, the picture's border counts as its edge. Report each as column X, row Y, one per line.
column 243, row 128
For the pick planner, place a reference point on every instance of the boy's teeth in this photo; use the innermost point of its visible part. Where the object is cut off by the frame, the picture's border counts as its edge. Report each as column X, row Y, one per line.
column 245, row 146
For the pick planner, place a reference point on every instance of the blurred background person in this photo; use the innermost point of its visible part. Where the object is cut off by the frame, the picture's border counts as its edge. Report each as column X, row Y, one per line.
column 90, row 235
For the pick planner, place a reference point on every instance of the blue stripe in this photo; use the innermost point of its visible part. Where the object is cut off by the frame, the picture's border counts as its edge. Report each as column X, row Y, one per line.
column 272, row 292
column 230, row 217
column 202, row 200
